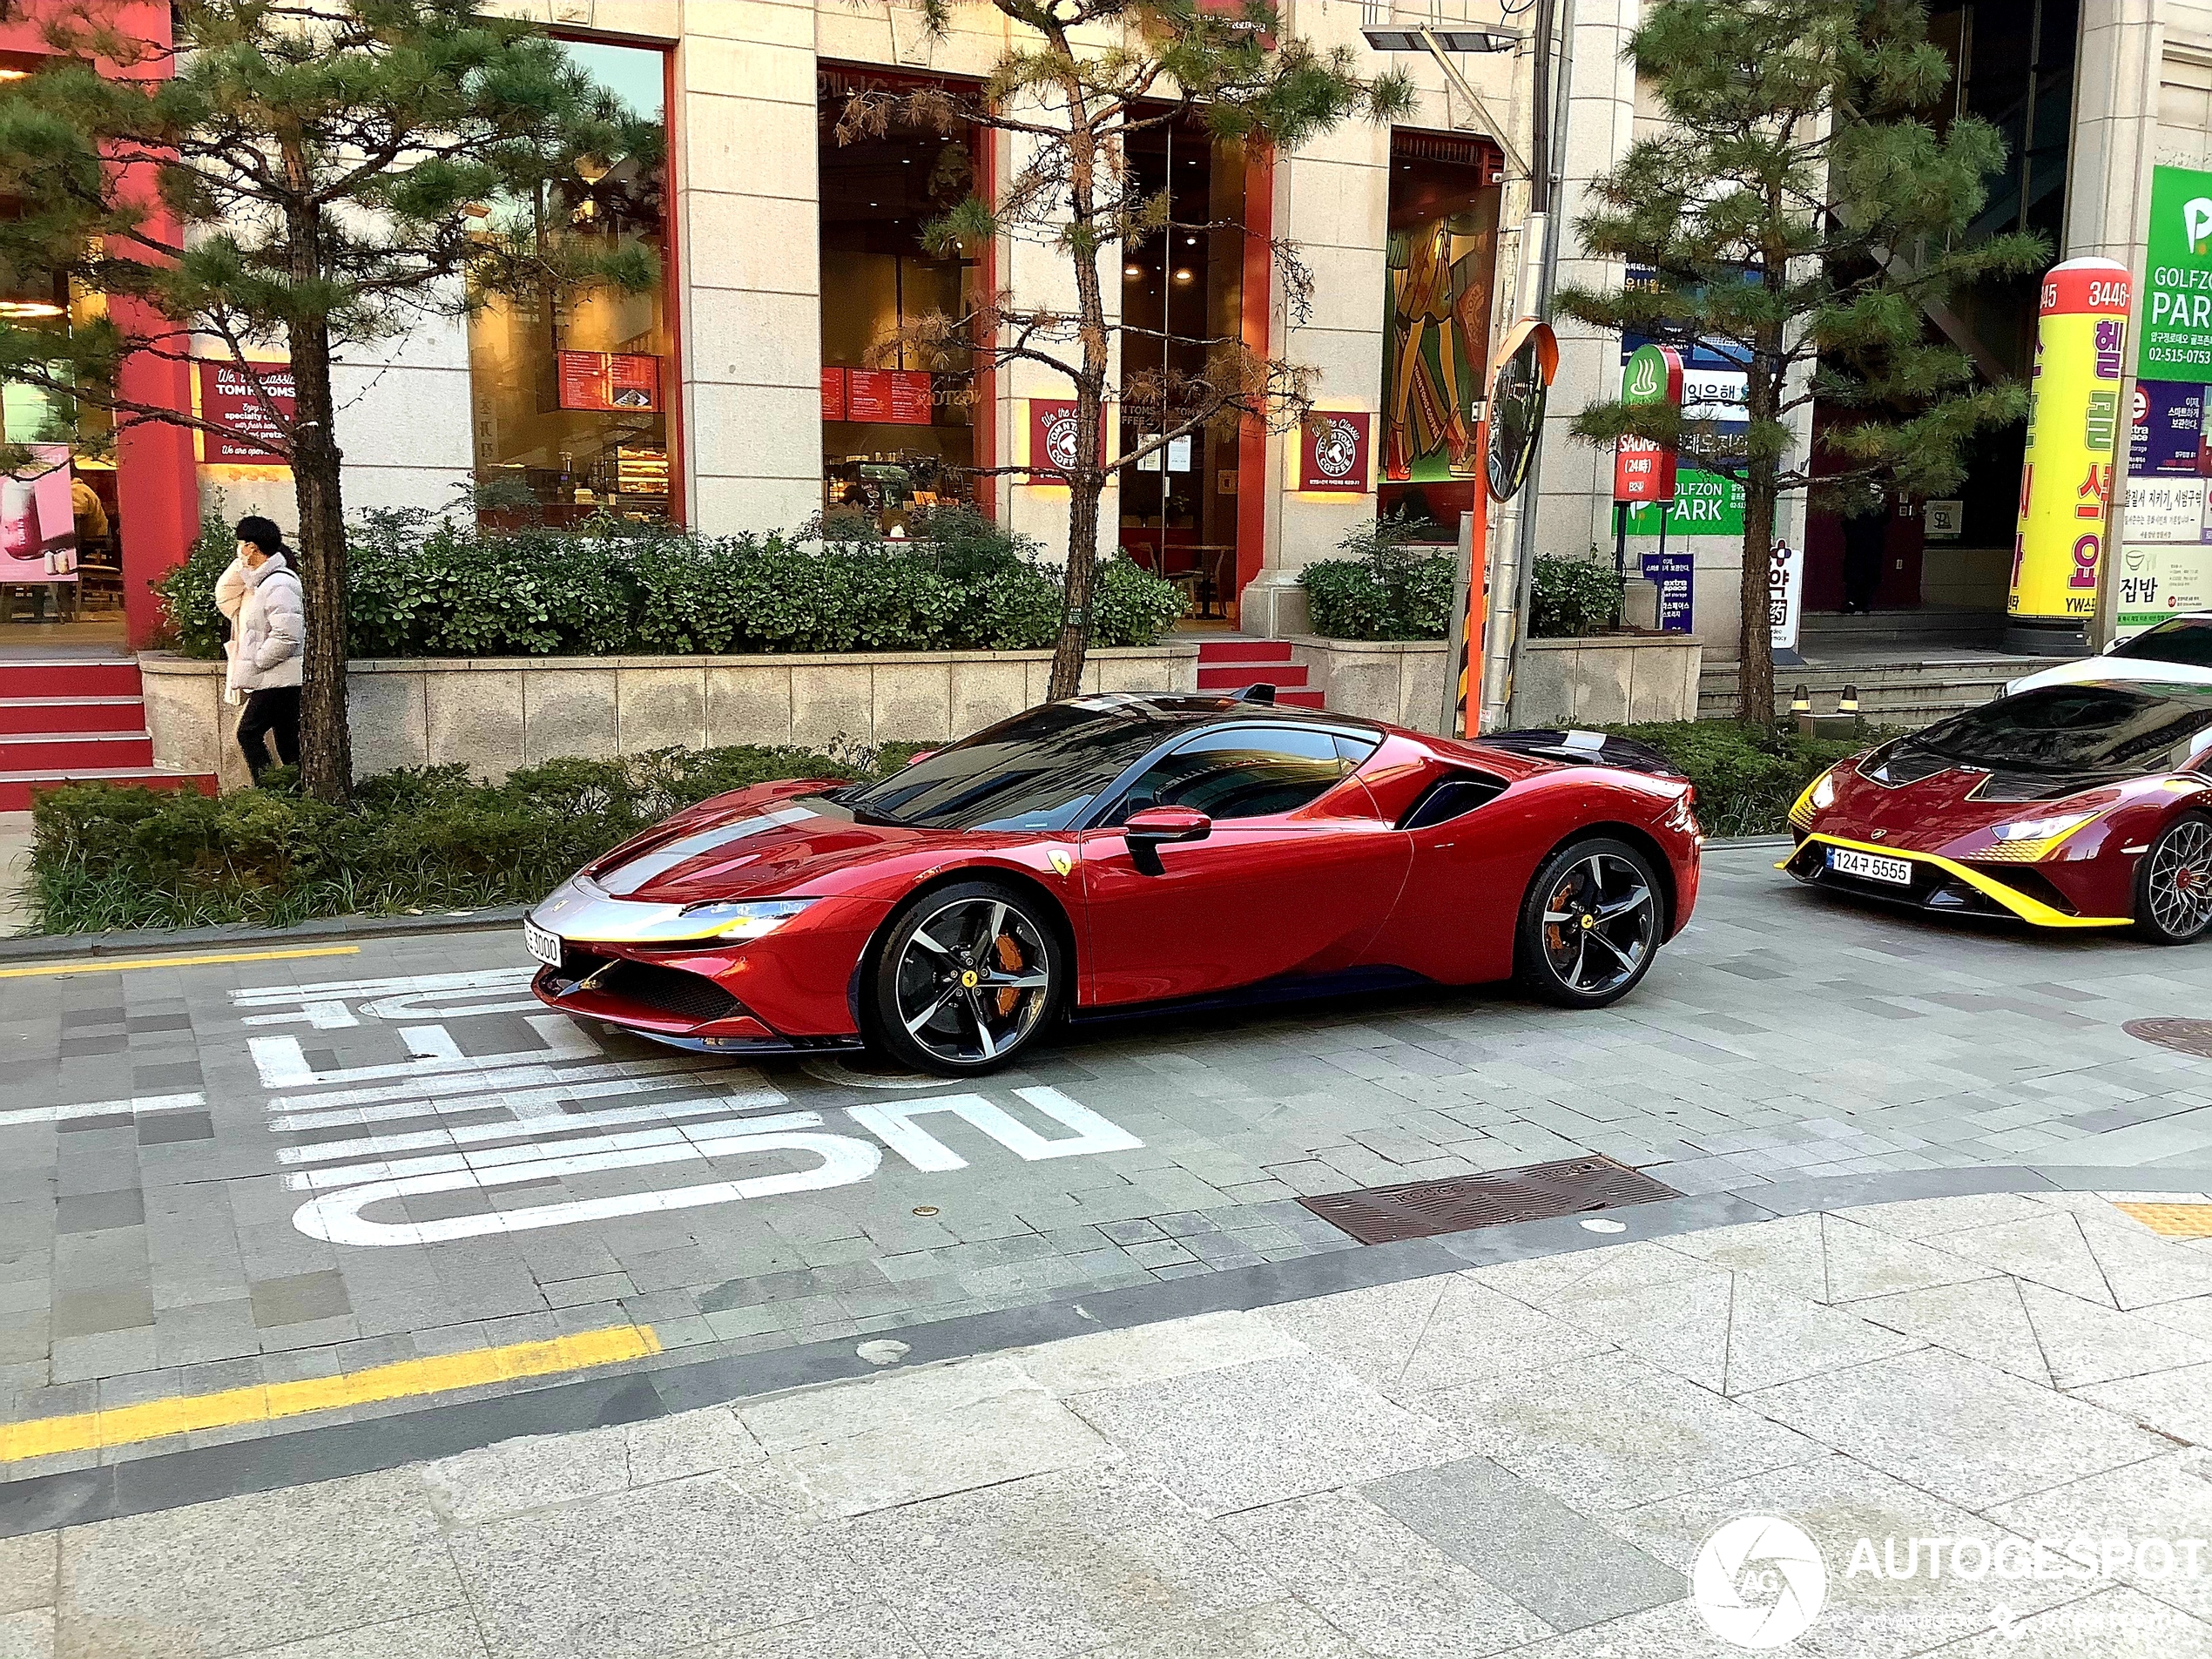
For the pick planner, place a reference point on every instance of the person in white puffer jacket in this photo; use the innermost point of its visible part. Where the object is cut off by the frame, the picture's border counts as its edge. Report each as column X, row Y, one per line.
column 259, row 593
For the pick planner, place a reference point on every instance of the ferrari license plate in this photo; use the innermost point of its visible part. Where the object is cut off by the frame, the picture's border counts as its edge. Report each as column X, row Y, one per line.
column 1871, row 866
column 546, row 947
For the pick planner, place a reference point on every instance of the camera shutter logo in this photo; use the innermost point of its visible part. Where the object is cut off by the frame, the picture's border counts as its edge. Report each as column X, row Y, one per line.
column 1336, row 450
column 1778, row 1563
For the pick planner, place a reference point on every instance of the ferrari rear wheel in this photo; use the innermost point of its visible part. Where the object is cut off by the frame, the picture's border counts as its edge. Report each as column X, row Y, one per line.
column 1589, row 924
column 2174, row 883
column 968, row 976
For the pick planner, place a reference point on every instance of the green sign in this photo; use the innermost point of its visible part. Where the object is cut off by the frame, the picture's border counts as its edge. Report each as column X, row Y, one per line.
column 2177, row 311
column 1705, row 505
column 1646, row 376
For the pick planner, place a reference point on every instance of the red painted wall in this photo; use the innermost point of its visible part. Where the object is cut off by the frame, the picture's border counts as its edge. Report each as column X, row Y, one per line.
column 156, row 482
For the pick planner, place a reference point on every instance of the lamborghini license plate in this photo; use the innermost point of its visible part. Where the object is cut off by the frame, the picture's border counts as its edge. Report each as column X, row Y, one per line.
column 1871, row 866
column 546, row 947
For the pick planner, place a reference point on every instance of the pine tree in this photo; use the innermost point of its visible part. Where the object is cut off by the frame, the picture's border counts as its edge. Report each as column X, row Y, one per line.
column 1800, row 214
column 1087, row 78
column 314, row 175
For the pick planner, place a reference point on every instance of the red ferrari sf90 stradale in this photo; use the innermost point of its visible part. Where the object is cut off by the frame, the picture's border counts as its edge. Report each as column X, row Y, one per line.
column 2082, row 804
column 1112, row 853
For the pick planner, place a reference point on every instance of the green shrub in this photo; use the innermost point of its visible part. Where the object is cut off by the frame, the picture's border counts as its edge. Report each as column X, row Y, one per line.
column 1573, row 598
column 1746, row 776
column 423, row 585
column 191, row 624
column 104, row 855
column 1389, row 590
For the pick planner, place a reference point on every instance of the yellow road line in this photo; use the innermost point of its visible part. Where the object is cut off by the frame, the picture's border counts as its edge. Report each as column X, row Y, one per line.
column 126, row 1425
column 95, row 966
column 2172, row 1220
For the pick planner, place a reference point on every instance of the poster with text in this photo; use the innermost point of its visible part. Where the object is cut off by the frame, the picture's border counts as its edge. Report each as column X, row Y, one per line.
column 2161, row 580
column 37, row 519
column 227, row 396
column 619, row 382
column 2166, row 433
column 2176, row 340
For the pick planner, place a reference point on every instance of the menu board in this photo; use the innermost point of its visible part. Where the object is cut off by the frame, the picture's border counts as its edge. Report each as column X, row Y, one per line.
column 894, row 396
column 226, row 398
column 911, row 400
column 625, row 383
column 833, row 394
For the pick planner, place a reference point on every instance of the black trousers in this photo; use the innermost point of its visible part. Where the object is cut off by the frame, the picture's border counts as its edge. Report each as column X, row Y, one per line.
column 273, row 713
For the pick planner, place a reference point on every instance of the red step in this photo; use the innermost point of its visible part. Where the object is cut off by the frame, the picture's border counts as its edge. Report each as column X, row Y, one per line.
column 1219, row 653
column 1237, row 676
column 16, row 787
column 1300, row 699
column 89, row 677
column 19, row 714
column 40, row 752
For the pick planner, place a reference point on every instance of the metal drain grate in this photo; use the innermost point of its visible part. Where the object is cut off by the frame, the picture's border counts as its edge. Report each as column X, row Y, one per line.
column 2185, row 1036
column 1424, row 1208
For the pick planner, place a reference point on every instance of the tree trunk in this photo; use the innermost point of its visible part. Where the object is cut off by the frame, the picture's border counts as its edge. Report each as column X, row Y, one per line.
column 325, row 748
column 1755, row 637
column 1074, row 643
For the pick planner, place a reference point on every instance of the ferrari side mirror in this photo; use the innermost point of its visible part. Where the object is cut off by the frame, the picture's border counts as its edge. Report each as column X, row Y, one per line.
column 1147, row 831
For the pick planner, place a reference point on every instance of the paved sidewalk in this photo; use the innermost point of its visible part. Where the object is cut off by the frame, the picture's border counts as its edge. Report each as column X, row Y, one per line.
column 1523, row 1457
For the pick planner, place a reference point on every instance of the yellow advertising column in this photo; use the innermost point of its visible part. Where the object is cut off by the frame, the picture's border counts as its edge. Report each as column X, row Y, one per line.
column 2073, row 422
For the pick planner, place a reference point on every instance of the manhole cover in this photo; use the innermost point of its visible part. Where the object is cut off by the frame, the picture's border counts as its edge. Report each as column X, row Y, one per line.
column 1424, row 1208
column 2184, row 1037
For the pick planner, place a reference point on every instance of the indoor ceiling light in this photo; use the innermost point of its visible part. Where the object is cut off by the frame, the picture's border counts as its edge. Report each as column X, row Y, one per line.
column 15, row 74
column 15, row 310
column 1182, row 273
column 1132, row 272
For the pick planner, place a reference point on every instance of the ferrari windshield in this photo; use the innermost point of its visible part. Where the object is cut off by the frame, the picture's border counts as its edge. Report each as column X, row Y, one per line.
column 2184, row 640
column 2083, row 727
column 1039, row 771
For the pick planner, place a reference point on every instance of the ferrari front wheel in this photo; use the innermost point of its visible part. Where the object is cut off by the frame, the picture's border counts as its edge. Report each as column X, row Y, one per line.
column 2174, row 883
column 1589, row 924
column 968, row 976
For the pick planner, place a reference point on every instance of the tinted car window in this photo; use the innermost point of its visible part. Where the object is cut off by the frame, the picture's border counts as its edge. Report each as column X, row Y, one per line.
column 1039, row 771
column 2186, row 640
column 2073, row 728
column 1241, row 773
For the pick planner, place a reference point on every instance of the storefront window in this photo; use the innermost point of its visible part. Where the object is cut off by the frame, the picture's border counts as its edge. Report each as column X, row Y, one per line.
column 570, row 390
column 1442, row 248
column 898, row 427
column 1179, row 289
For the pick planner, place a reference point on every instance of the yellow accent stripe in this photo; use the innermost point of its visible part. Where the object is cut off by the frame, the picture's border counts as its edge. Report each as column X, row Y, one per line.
column 157, row 1419
column 2172, row 1220
column 2020, row 904
column 95, row 966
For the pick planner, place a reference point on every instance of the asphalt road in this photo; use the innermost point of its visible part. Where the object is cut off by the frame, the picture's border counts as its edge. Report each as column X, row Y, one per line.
column 239, row 1177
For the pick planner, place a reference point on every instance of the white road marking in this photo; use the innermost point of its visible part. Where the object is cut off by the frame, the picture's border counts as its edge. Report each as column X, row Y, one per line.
column 893, row 1123
column 137, row 1105
column 691, row 1140
column 434, row 1084
column 742, row 1089
column 336, row 1217
column 461, row 1135
column 283, row 1063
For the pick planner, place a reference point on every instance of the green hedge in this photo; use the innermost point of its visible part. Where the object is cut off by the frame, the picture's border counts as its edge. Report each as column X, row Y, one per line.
column 422, row 585
column 105, row 856
column 1573, row 598
column 1746, row 776
column 1395, row 584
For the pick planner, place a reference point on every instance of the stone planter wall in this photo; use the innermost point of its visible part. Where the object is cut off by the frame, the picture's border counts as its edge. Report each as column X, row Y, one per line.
column 1608, row 680
column 493, row 714
column 1563, row 682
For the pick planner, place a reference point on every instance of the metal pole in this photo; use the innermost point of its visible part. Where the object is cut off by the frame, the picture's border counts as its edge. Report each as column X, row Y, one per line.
column 1510, row 590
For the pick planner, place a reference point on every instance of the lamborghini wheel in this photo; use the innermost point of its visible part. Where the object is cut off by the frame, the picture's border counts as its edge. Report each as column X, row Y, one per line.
column 2174, row 883
column 968, row 976
column 1589, row 925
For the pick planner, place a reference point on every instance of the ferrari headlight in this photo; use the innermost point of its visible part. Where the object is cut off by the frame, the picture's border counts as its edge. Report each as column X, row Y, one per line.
column 2042, row 829
column 744, row 918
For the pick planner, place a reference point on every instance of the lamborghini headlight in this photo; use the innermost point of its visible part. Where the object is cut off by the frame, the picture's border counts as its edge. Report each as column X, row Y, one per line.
column 2025, row 839
column 742, row 919
column 1818, row 796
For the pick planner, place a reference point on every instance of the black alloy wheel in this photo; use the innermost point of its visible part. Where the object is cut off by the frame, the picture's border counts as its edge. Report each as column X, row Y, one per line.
column 968, row 976
column 2174, row 883
column 1589, row 925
